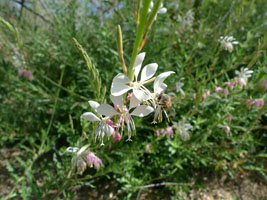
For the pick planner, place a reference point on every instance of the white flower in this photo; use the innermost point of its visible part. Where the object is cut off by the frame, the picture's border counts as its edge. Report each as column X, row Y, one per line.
column 122, row 84
column 243, row 75
column 186, row 21
column 227, row 42
column 161, row 10
column 183, row 129
column 159, row 86
column 124, row 114
column 179, row 86
column 102, row 127
column 160, row 100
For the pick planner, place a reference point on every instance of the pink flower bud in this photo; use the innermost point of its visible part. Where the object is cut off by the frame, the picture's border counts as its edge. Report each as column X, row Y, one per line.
column 259, row 103
column 157, row 133
column 207, row 92
column 242, row 82
column 169, row 131
column 229, row 47
column 116, row 136
column 147, row 147
column 204, row 96
column 218, row 89
column 227, row 129
column 93, row 160
column 162, row 131
column 129, row 96
column 226, row 92
column 110, row 122
column 231, row 84
column 116, row 107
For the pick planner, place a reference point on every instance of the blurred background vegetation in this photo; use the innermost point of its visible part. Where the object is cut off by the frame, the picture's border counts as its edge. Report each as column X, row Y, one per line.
column 45, row 86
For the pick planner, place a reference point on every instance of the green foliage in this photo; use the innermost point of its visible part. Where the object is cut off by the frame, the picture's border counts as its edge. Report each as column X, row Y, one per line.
column 40, row 118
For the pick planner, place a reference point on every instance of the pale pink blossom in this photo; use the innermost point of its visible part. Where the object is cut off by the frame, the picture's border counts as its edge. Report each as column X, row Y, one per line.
column 227, row 129
column 228, row 42
column 162, row 131
column 116, row 136
column 83, row 158
column 226, row 92
column 207, row 92
column 157, row 133
column 147, row 147
column 243, row 75
column 194, row 96
column 204, row 96
column 93, row 160
column 259, row 103
column 169, row 131
column 231, row 84
column 218, row 89
column 110, row 122
column 129, row 96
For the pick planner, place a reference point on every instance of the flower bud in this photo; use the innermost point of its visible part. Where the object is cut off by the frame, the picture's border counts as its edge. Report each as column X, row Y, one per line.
column 218, row 89
column 119, row 40
column 147, row 147
column 259, row 103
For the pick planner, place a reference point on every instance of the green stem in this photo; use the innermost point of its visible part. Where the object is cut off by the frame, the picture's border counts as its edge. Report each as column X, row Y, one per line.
column 53, row 114
column 63, row 88
column 139, row 37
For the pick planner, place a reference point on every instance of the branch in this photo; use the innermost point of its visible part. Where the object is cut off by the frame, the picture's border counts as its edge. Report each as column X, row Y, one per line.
column 31, row 10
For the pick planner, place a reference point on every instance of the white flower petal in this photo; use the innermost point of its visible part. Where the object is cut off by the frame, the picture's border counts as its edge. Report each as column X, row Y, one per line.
column 90, row 117
column 142, row 111
column 159, row 86
column 134, row 102
column 162, row 10
column 107, row 110
column 94, row 104
column 148, row 71
column 140, row 95
column 117, row 100
column 119, row 85
column 108, row 129
column 138, row 63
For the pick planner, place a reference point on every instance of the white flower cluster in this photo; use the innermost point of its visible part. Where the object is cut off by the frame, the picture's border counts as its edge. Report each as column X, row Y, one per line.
column 243, row 75
column 227, row 43
column 183, row 129
column 139, row 99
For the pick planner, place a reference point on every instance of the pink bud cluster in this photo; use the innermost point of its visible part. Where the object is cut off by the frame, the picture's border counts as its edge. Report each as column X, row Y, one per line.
column 26, row 74
column 81, row 160
column 224, row 90
column 93, row 160
column 168, row 131
column 258, row 103
column 206, row 94
column 116, row 135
